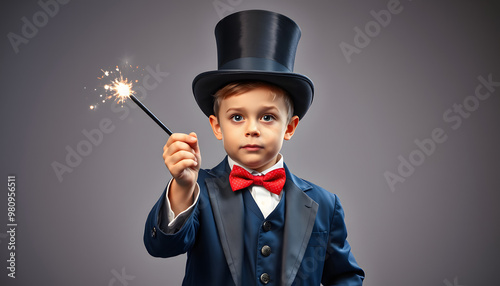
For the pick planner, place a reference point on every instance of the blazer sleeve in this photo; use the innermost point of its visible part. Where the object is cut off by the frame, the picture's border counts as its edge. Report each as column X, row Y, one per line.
column 158, row 242
column 340, row 267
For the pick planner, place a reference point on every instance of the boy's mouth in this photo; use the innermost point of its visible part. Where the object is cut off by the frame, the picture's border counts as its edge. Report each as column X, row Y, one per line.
column 252, row 147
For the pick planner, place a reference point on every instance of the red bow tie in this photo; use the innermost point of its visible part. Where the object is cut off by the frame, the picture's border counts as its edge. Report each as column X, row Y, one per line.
column 272, row 181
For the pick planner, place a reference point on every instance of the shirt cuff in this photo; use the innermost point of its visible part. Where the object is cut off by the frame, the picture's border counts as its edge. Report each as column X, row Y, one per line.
column 172, row 223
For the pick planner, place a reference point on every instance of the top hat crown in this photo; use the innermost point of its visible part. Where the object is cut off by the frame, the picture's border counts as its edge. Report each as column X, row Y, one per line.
column 255, row 45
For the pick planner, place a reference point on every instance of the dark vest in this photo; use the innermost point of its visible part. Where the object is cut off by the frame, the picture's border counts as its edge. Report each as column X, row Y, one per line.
column 263, row 243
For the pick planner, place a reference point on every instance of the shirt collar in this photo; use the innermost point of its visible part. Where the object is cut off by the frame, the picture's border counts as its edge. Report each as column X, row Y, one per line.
column 278, row 165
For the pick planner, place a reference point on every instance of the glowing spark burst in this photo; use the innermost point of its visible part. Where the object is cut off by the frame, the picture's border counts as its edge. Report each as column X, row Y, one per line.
column 122, row 89
column 117, row 84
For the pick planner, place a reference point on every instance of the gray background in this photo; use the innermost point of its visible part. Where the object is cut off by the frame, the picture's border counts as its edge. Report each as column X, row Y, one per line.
column 438, row 227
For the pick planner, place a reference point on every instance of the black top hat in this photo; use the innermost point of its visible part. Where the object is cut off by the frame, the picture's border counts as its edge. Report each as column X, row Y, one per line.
column 255, row 45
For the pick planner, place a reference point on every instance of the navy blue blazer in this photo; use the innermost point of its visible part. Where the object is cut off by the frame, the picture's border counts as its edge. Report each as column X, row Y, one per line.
column 315, row 249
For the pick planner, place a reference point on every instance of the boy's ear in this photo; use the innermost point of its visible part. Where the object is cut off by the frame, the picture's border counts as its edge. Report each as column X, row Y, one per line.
column 290, row 128
column 214, row 122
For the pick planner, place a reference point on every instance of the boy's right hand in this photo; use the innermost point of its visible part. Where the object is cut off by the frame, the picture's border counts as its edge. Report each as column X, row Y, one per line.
column 182, row 157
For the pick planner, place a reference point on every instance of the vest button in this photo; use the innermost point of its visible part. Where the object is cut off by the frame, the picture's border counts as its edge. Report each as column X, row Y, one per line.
column 265, row 250
column 266, row 225
column 153, row 232
column 265, row 278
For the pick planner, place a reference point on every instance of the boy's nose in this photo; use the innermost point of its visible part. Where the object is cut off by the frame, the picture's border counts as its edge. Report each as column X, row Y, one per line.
column 252, row 129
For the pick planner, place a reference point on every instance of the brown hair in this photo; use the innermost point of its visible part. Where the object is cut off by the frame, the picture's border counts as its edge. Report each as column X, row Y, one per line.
column 239, row 87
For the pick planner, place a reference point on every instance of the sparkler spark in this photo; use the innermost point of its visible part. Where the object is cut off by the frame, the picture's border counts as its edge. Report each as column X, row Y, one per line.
column 116, row 83
column 122, row 89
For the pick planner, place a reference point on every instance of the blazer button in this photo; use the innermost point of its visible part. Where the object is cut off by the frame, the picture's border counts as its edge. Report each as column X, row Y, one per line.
column 265, row 278
column 153, row 232
column 266, row 225
column 265, row 250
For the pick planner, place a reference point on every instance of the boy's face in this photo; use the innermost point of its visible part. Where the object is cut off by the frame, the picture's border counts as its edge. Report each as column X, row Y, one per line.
column 252, row 127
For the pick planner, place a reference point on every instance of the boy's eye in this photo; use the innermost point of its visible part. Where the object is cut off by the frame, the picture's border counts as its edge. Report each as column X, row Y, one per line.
column 267, row 117
column 237, row 118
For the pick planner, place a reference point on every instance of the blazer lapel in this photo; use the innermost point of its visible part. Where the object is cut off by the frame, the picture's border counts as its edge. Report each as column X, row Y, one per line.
column 300, row 214
column 228, row 210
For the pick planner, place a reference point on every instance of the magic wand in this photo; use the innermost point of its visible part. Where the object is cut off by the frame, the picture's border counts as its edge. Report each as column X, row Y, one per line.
column 148, row 112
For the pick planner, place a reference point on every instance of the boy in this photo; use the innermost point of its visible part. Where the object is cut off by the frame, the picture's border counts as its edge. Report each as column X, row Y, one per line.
column 249, row 221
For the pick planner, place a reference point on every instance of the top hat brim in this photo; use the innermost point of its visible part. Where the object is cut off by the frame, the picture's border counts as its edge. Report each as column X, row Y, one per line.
column 299, row 87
